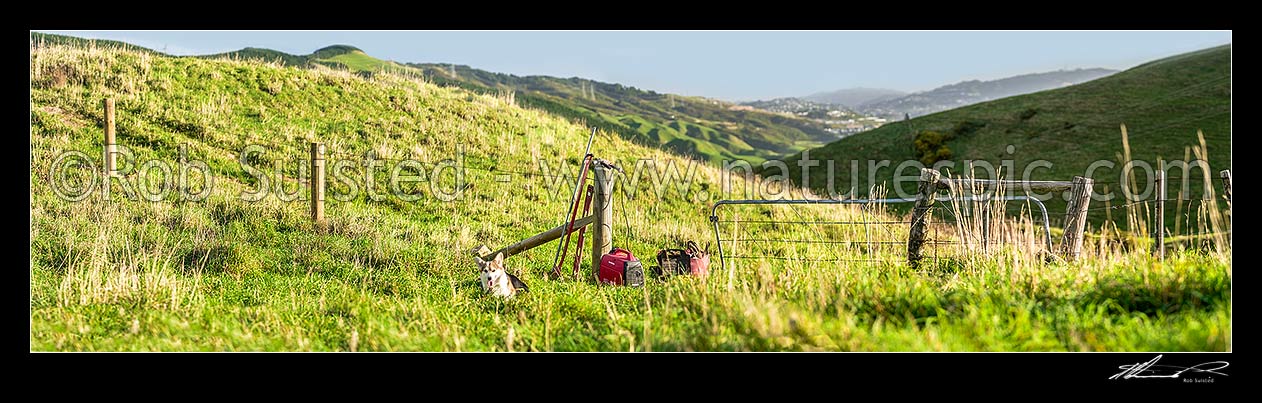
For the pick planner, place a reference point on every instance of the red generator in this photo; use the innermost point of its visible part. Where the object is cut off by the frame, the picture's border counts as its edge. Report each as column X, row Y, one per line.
column 619, row 267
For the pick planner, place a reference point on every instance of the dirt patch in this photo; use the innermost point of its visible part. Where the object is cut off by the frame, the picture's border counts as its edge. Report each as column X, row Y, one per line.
column 66, row 118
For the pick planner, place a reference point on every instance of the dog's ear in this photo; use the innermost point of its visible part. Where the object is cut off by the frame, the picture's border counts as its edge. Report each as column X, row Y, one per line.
column 499, row 259
column 481, row 263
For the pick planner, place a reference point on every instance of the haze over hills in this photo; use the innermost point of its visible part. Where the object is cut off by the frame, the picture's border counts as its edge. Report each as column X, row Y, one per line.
column 854, row 97
column 881, row 105
column 803, row 107
column 973, row 91
column 836, row 119
column 1163, row 103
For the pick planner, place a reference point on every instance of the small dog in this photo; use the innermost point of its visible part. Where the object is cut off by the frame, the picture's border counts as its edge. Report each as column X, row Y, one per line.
column 496, row 281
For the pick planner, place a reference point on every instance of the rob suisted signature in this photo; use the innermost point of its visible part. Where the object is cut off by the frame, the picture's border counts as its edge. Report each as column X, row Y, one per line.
column 1151, row 369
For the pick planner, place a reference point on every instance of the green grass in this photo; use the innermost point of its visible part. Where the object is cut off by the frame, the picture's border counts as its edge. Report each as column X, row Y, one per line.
column 1163, row 104
column 223, row 274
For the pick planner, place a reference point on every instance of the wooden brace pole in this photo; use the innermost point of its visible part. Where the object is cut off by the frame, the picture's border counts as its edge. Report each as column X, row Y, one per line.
column 539, row 239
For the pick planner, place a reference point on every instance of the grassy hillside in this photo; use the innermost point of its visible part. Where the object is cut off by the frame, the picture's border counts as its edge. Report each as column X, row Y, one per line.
column 700, row 128
column 354, row 59
column 225, row 273
column 1163, row 104
column 338, row 56
column 39, row 39
column 705, row 128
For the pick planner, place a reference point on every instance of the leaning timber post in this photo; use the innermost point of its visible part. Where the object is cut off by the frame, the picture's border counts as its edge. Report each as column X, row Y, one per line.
column 602, row 209
column 1076, row 217
column 1226, row 175
column 539, row 239
column 317, row 183
column 922, row 213
column 1160, row 228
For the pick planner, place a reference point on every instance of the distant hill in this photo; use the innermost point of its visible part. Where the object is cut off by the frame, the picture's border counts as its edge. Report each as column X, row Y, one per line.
column 854, row 97
column 336, row 56
column 974, row 91
column 1163, row 103
column 705, row 128
column 263, row 54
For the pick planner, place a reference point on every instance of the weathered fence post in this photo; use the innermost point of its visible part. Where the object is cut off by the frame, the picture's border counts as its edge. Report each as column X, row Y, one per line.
column 1226, row 175
column 602, row 209
column 985, row 215
column 1160, row 236
column 111, row 148
column 922, row 213
column 317, row 183
column 1076, row 217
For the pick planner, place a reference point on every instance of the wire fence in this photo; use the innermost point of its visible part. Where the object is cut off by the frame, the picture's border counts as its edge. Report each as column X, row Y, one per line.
column 867, row 236
column 958, row 231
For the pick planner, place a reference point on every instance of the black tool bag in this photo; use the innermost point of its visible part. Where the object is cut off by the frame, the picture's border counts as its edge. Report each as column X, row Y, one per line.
column 672, row 262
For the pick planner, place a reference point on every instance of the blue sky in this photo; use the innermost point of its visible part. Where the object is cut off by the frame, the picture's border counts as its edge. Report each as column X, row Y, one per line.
column 730, row 65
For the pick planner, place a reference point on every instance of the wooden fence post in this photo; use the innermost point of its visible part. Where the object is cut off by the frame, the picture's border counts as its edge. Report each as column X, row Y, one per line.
column 922, row 213
column 111, row 148
column 985, row 215
column 1226, row 175
column 317, row 183
column 1076, row 217
column 602, row 209
column 1160, row 236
